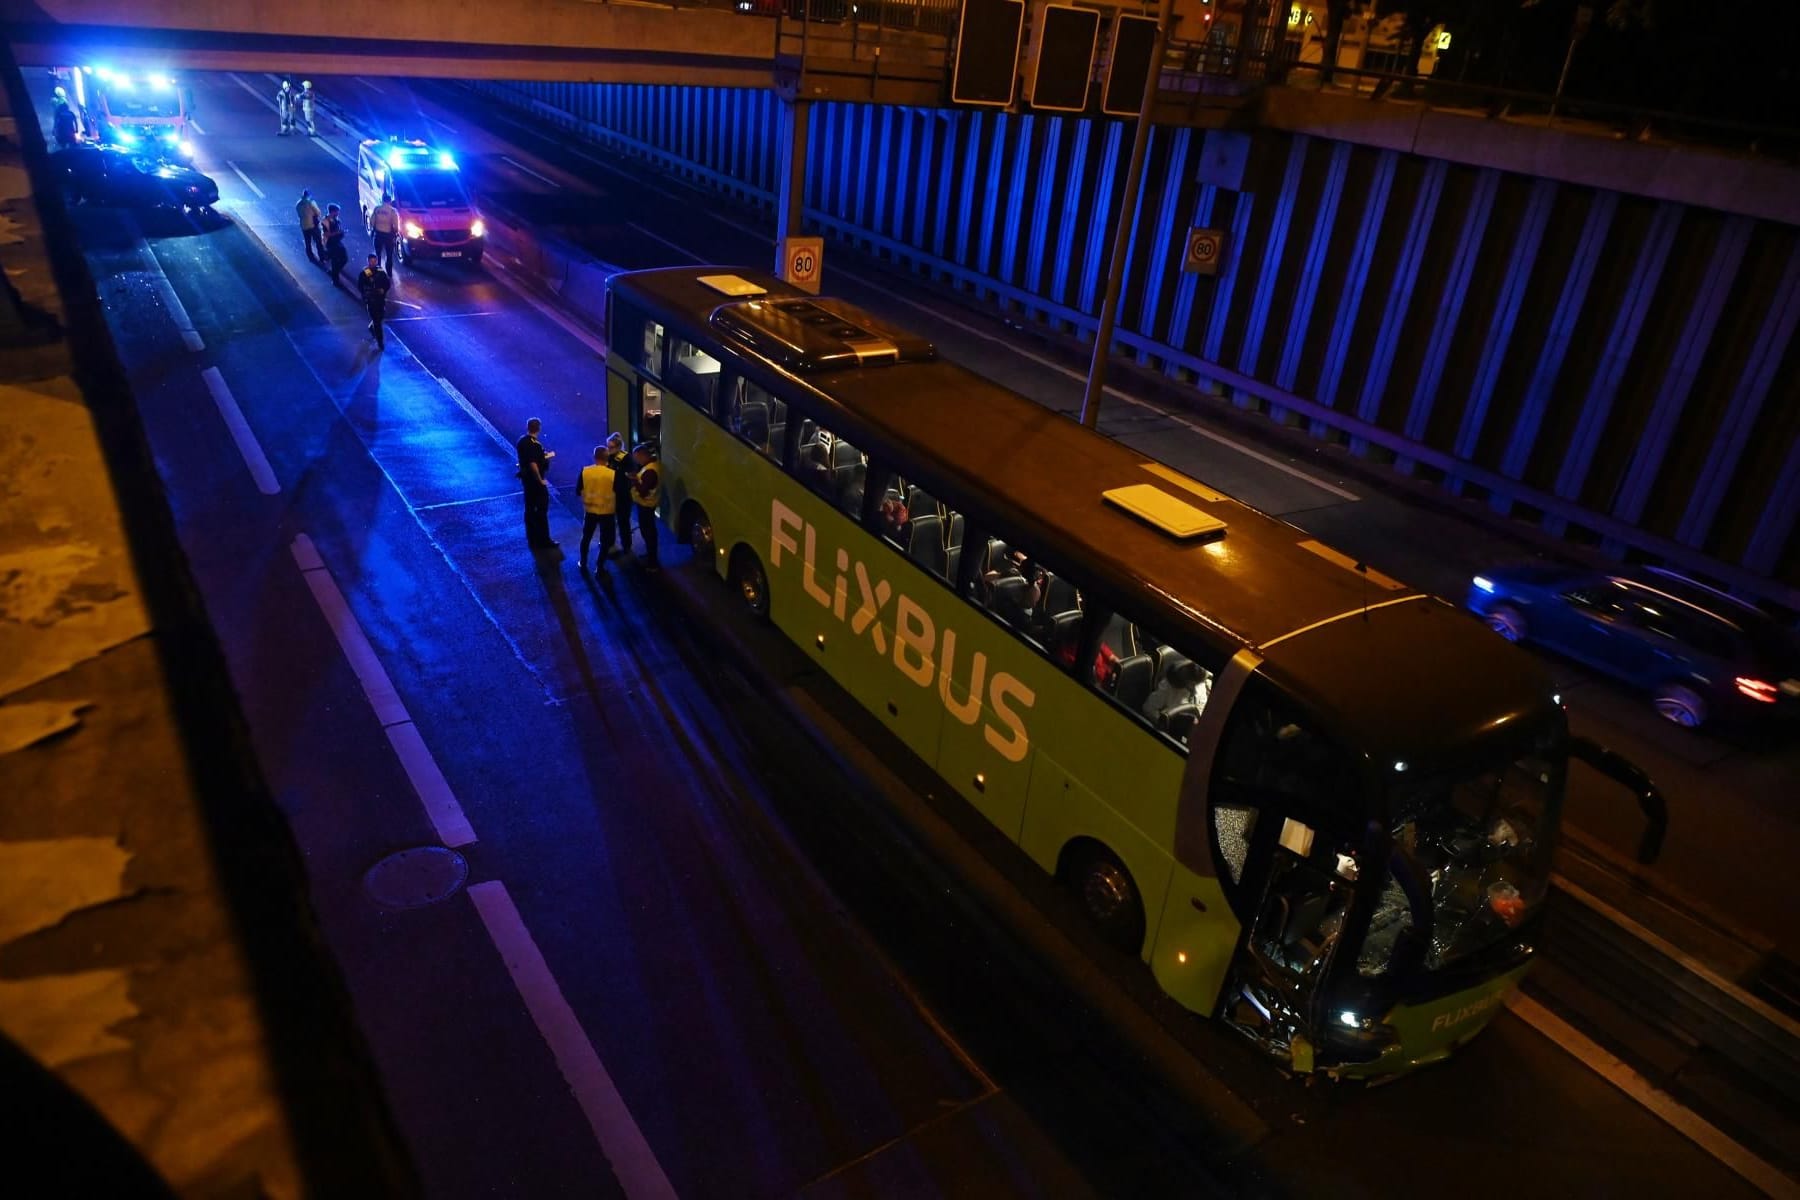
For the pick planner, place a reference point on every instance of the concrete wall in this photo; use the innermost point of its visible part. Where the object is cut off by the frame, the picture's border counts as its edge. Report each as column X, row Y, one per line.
column 1616, row 367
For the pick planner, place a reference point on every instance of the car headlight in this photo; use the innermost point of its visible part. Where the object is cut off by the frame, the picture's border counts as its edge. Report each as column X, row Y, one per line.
column 477, row 228
column 186, row 148
column 413, row 230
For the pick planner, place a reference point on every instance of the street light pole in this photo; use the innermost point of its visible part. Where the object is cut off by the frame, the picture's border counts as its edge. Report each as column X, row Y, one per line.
column 1128, row 215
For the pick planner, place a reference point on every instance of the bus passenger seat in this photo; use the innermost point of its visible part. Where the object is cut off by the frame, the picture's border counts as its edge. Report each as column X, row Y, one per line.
column 925, row 545
column 1011, row 600
column 1178, row 722
column 1131, row 681
column 1059, row 595
column 1064, row 637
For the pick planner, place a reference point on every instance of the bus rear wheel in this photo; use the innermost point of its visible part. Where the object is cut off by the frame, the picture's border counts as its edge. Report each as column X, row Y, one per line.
column 1108, row 895
column 752, row 584
column 697, row 531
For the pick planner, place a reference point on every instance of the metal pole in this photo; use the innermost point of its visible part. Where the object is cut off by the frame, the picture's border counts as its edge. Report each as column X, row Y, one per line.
column 790, row 208
column 1128, row 215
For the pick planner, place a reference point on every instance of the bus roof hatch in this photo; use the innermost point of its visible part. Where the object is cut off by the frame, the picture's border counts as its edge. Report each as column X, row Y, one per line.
column 817, row 335
column 1177, row 518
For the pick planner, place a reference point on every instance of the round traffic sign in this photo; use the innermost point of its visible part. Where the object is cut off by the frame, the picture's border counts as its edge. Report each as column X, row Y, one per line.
column 1203, row 247
column 803, row 265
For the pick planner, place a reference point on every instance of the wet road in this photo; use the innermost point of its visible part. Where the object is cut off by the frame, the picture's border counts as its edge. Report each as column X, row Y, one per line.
column 679, row 963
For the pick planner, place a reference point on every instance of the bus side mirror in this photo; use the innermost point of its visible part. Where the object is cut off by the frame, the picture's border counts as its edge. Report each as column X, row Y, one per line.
column 1620, row 769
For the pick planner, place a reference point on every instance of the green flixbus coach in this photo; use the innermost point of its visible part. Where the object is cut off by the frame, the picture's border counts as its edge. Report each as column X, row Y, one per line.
column 1318, row 804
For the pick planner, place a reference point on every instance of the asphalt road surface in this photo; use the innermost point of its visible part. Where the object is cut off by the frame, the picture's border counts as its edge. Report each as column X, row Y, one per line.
column 680, row 960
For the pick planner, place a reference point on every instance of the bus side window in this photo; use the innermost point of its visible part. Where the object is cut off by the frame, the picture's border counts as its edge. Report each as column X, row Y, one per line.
column 1144, row 675
column 693, row 375
column 650, row 347
column 1043, row 608
column 926, row 530
column 832, row 467
column 758, row 419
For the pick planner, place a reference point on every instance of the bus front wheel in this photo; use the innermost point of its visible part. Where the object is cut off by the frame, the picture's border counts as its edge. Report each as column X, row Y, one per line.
column 697, row 531
column 751, row 582
column 1107, row 894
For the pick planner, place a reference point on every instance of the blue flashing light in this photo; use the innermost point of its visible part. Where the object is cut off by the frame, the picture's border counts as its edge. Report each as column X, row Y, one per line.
column 1484, row 584
column 396, row 158
column 447, row 162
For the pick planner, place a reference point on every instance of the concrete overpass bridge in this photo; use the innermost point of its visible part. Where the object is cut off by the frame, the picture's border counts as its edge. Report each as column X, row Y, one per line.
column 899, row 57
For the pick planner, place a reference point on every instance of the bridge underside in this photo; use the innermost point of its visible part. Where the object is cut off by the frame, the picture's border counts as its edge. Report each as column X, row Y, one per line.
column 526, row 40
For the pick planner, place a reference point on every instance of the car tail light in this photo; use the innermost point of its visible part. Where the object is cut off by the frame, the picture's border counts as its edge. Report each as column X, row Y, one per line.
column 1757, row 689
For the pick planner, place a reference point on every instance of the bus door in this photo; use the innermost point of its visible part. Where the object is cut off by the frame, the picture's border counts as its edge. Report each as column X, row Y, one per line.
column 1285, row 806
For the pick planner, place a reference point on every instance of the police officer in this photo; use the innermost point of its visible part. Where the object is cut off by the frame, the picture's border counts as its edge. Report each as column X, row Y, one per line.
column 64, row 121
column 306, row 108
column 373, row 283
column 284, row 106
column 384, row 227
column 599, row 503
column 534, row 471
column 646, row 490
column 308, row 212
column 623, row 469
column 337, row 257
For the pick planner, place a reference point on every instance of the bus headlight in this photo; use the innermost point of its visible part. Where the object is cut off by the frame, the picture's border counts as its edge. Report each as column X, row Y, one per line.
column 413, row 231
column 477, row 228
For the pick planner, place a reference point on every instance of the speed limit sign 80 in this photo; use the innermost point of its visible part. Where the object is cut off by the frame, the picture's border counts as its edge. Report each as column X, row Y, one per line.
column 802, row 261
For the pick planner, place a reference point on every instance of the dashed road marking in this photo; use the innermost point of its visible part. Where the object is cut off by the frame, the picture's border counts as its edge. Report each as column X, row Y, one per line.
column 440, row 803
column 623, row 1143
column 247, row 445
column 248, row 182
column 190, row 337
column 519, row 166
column 1658, row 1102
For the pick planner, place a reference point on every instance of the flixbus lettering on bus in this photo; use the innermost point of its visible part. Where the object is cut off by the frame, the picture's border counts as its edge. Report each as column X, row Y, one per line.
column 920, row 652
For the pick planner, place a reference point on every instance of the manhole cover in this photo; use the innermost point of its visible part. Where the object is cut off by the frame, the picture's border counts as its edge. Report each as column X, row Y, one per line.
column 417, row 877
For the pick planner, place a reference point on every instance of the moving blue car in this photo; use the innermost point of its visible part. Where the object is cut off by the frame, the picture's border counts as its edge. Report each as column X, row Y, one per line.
column 1701, row 655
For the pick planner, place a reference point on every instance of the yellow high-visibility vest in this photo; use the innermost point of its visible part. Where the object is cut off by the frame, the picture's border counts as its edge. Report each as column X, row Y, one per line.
column 597, row 489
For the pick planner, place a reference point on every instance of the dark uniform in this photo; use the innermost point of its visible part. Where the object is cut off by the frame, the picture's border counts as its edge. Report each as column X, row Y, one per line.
column 336, row 256
column 623, row 470
column 537, row 491
column 65, row 124
column 373, row 283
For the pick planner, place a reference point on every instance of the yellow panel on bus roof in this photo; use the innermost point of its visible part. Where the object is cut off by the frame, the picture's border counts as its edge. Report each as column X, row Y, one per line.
column 1150, row 503
column 732, row 285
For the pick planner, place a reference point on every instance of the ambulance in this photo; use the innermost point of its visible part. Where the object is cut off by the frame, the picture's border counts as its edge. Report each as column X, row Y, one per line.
column 437, row 218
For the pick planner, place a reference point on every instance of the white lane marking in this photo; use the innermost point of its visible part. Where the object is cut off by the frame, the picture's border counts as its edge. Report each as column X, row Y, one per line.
column 621, row 1140
column 159, row 279
column 1658, row 1102
column 446, row 128
column 519, row 166
column 247, row 445
column 441, row 807
column 475, row 415
column 195, row 126
column 248, row 182
column 684, row 252
column 549, row 313
column 887, row 291
column 453, row 828
column 262, row 99
column 370, row 86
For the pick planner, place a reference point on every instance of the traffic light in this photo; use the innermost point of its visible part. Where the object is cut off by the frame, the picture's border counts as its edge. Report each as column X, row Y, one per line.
column 1062, row 57
column 1128, row 66
column 987, row 52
